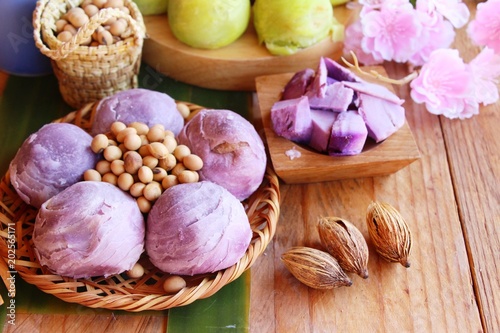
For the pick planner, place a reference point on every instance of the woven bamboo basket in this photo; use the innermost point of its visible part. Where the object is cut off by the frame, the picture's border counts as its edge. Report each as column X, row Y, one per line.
column 89, row 73
column 119, row 292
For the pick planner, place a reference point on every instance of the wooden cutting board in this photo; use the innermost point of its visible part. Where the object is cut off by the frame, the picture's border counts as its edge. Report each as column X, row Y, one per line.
column 233, row 67
column 376, row 159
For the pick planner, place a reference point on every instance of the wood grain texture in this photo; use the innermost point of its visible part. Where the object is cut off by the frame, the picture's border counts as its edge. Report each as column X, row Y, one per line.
column 58, row 323
column 451, row 200
column 473, row 148
column 233, row 67
column 384, row 158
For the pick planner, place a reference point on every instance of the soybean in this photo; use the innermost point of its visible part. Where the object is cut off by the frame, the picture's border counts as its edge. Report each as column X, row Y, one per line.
column 125, row 181
column 117, row 167
column 112, row 153
column 143, row 161
column 158, row 150
column 132, row 142
column 193, row 162
column 99, row 143
column 183, row 110
column 173, row 284
column 145, row 174
column 144, row 204
column 92, row 175
column 181, row 151
column 136, row 271
column 152, row 191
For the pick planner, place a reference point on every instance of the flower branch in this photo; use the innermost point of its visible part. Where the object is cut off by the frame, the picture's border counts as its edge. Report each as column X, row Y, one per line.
column 374, row 74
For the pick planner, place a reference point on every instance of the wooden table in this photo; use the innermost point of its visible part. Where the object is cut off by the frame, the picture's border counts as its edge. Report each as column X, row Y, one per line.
column 451, row 200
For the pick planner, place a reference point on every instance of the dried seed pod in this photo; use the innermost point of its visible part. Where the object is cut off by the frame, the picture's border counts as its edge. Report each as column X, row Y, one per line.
column 345, row 243
column 315, row 268
column 389, row 232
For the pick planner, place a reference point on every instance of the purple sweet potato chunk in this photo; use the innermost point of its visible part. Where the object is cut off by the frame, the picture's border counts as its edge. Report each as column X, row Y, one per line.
column 50, row 160
column 322, row 122
column 319, row 84
column 142, row 105
column 348, row 135
column 337, row 98
column 330, row 80
column 298, row 84
column 338, row 72
column 382, row 117
column 375, row 90
column 291, row 119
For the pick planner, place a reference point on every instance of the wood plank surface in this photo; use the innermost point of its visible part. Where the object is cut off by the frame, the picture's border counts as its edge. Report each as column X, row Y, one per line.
column 473, row 148
column 58, row 323
column 450, row 198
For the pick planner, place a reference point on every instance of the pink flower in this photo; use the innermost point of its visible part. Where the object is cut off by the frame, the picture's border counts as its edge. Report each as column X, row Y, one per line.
column 436, row 33
column 375, row 4
column 485, row 68
column 453, row 10
column 484, row 30
column 352, row 42
column 445, row 85
column 391, row 33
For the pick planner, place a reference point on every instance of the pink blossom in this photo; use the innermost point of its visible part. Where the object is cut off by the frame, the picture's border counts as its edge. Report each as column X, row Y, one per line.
column 370, row 5
column 352, row 42
column 445, row 85
column 391, row 33
column 471, row 108
column 436, row 33
column 484, row 30
column 375, row 4
column 453, row 10
column 485, row 68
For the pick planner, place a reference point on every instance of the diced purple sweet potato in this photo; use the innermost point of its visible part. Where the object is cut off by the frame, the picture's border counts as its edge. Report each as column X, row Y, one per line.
column 291, row 119
column 319, row 84
column 298, row 84
column 337, row 98
column 338, row 72
column 382, row 117
column 322, row 122
column 375, row 90
column 348, row 135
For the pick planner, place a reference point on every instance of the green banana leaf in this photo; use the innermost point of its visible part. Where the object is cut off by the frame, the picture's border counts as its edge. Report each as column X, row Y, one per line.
column 31, row 102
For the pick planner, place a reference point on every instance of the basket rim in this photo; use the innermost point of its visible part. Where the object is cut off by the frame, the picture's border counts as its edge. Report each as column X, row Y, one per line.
column 118, row 292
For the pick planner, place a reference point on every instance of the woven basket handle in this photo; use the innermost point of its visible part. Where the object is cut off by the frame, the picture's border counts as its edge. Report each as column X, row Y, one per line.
column 85, row 31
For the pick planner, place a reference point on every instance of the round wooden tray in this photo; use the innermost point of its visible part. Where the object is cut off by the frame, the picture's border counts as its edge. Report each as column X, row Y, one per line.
column 119, row 292
column 233, row 67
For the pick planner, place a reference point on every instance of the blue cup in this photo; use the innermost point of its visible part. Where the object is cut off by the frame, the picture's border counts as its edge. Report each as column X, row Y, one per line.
column 18, row 52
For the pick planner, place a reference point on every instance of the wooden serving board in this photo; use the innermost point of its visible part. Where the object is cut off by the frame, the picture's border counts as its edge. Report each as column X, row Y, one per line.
column 376, row 159
column 233, row 67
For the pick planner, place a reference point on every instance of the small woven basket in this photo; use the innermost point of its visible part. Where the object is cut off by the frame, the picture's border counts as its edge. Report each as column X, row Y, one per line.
column 120, row 292
column 89, row 73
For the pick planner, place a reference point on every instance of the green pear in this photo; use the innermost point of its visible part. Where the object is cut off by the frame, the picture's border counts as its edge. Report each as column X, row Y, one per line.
column 152, row 7
column 208, row 24
column 338, row 2
column 287, row 26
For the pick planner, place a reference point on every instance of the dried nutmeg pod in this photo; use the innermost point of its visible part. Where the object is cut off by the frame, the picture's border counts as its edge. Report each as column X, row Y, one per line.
column 345, row 243
column 389, row 232
column 315, row 268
